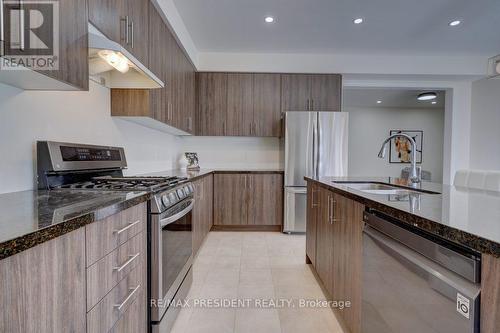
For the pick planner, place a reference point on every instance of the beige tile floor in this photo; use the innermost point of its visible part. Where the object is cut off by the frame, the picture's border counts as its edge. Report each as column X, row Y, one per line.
column 258, row 266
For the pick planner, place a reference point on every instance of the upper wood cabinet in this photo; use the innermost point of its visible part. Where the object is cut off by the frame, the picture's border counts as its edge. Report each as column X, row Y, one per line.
column 239, row 104
column 174, row 104
column 267, row 105
column 311, row 92
column 125, row 22
column 72, row 57
column 248, row 199
column 212, row 103
column 239, row 115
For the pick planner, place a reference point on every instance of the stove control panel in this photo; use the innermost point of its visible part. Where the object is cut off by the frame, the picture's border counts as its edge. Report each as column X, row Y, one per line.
column 167, row 199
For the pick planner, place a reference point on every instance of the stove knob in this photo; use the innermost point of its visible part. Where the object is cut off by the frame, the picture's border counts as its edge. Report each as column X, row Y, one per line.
column 187, row 190
column 180, row 193
column 165, row 200
column 191, row 188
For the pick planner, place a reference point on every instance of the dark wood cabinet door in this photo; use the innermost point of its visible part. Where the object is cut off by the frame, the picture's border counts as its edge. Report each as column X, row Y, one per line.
column 109, row 17
column 159, row 60
column 73, row 43
column 295, row 92
column 197, row 218
column 190, row 97
column 326, row 92
column 239, row 114
column 266, row 105
column 212, row 103
column 324, row 241
column 348, row 254
column 177, row 84
column 265, row 199
column 313, row 212
column 208, row 203
column 230, row 199
column 137, row 10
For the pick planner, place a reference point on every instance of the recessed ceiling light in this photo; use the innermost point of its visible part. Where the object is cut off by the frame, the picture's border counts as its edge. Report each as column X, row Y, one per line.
column 379, row 102
column 358, row 20
column 454, row 23
column 269, row 19
column 433, row 102
column 427, row 96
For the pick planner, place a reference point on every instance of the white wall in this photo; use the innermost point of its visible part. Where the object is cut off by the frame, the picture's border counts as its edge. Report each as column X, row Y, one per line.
column 234, row 152
column 485, row 125
column 27, row 116
column 369, row 127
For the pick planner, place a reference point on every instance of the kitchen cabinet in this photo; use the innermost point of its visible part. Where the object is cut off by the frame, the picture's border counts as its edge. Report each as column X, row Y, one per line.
column 266, row 105
column 172, row 108
column 230, row 199
column 239, row 113
column 312, row 215
column 43, row 288
column 337, row 256
column 202, row 211
column 311, row 92
column 248, row 201
column 490, row 293
column 325, row 260
column 265, row 197
column 212, row 104
column 73, row 71
column 239, row 104
column 124, row 21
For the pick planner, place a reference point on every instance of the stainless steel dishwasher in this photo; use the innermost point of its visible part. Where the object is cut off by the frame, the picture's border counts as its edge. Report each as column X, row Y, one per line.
column 414, row 282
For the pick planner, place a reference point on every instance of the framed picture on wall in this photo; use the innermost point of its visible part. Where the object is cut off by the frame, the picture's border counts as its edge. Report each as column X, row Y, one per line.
column 400, row 148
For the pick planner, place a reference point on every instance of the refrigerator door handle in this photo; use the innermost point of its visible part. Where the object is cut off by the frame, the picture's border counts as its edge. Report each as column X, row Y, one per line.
column 314, row 148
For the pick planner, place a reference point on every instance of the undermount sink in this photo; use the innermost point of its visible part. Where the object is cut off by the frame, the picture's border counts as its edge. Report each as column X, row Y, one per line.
column 381, row 188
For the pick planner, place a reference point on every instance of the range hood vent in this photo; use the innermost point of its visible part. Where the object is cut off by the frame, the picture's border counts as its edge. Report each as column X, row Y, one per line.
column 111, row 65
column 494, row 67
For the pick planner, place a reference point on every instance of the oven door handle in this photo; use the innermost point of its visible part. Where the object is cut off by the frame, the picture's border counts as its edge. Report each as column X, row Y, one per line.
column 176, row 216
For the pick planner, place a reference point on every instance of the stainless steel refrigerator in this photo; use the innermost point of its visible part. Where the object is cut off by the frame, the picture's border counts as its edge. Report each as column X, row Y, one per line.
column 315, row 146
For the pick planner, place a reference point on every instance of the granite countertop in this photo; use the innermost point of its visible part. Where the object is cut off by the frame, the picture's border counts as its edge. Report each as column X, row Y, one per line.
column 29, row 218
column 192, row 175
column 468, row 217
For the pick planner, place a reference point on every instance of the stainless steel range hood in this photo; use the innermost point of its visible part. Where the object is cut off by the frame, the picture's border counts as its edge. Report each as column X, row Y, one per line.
column 111, row 65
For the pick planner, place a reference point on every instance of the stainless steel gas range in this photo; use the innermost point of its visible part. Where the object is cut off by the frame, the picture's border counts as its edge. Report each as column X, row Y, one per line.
column 69, row 166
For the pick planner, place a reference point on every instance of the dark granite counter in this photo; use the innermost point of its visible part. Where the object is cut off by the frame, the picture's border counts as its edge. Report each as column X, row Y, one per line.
column 193, row 175
column 29, row 218
column 468, row 217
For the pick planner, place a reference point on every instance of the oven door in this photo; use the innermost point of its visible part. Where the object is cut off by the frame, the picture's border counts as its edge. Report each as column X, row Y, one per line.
column 171, row 254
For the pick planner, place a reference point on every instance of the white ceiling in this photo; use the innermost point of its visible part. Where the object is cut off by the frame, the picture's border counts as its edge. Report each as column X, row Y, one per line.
column 325, row 26
column 391, row 98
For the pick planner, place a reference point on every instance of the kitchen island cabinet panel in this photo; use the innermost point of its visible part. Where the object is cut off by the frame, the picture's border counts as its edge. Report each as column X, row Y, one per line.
column 490, row 294
column 43, row 288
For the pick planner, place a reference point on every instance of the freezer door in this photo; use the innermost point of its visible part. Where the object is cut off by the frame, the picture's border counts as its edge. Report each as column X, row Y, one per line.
column 295, row 209
column 300, row 132
column 333, row 128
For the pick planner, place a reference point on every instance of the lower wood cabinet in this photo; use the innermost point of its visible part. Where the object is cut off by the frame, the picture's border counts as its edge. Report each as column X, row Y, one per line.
column 76, row 284
column 43, row 288
column 203, row 210
column 253, row 200
column 334, row 246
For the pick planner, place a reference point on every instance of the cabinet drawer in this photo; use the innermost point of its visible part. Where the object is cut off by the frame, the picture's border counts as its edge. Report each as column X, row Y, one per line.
column 102, row 237
column 135, row 319
column 112, row 307
column 108, row 271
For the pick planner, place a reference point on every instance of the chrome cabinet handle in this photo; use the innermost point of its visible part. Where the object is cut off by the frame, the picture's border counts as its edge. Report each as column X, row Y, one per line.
column 190, row 123
column 312, row 104
column 125, row 301
column 132, row 34
column 126, row 263
column 130, row 225
column 307, row 105
column 313, row 205
column 334, row 203
column 127, row 33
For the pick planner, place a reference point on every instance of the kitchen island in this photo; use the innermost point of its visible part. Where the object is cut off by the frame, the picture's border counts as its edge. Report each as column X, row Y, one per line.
column 462, row 217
